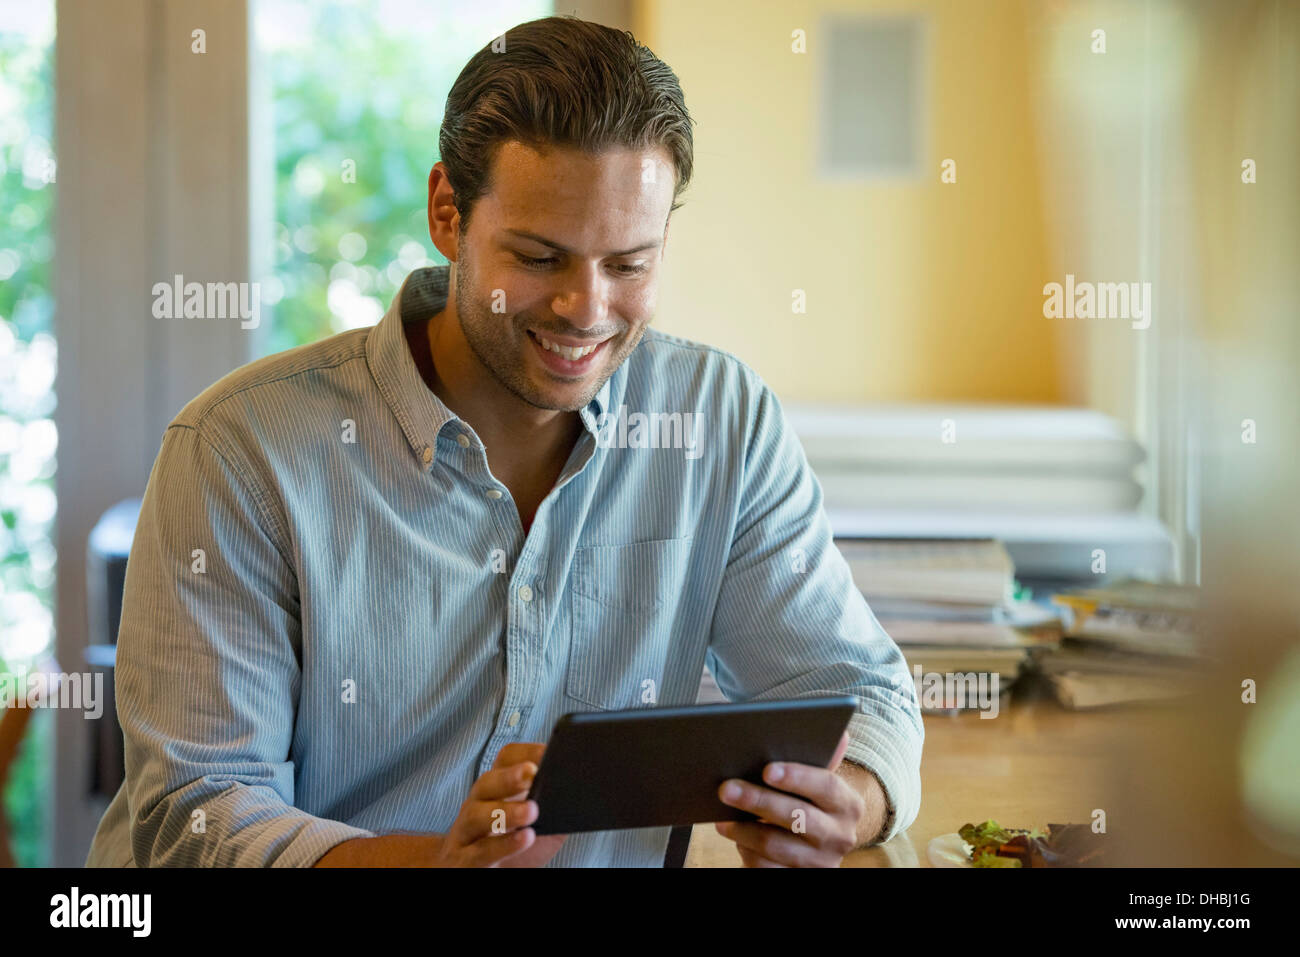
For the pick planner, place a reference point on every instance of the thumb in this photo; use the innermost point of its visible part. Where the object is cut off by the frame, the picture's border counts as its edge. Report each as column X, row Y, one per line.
column 840, row 751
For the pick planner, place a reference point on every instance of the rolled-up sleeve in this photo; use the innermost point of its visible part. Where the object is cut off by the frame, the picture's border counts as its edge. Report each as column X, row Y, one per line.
column 791, row 623
column 208, row 672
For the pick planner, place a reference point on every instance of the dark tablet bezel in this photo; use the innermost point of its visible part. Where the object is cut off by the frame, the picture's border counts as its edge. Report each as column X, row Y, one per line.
column 661, row 767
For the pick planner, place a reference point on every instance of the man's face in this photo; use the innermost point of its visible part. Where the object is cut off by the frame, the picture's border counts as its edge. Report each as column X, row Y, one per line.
column 563, row 254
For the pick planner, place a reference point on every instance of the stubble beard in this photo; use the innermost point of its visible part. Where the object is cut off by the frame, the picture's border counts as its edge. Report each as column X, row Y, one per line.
column 479, row 324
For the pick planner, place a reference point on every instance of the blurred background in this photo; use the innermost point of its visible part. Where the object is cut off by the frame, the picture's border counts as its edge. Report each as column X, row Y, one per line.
column 882, row 192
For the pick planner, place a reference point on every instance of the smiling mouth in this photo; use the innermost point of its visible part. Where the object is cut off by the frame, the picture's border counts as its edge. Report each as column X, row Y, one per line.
column 567, row 361
column 568, row 352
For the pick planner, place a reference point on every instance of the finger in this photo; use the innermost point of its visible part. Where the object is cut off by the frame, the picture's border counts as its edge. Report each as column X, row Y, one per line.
column 748, row 858
column 751, row 859
column 774, row 844
column 823, row 787
column 840, row 751
column 519, row 751
column 485, row 819
column 500, row 783
column 491, row 851
column 528, row 789
column 781, row 810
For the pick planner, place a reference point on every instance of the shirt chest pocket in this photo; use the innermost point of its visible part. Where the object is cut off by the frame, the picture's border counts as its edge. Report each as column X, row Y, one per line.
column 623, row 602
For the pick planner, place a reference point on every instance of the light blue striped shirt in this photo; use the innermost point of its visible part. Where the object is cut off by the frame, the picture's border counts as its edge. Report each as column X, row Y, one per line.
column 333, row 619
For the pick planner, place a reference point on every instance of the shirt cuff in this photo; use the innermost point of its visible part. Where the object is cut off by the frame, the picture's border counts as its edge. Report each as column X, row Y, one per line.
column 895, row 762
column 317, row 838
column 273, row 834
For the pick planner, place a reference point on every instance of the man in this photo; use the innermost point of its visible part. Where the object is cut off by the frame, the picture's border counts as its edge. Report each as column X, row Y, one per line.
column 371, row 573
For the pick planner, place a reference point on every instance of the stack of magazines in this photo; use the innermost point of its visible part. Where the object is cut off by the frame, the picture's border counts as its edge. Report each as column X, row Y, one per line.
column 950, row 606
column 1131, row 642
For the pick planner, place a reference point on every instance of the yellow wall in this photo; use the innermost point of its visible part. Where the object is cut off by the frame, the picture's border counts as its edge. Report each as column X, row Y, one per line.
column 916, row 290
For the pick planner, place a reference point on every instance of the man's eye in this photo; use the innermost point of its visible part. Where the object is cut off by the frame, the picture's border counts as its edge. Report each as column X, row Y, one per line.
column 625, row 269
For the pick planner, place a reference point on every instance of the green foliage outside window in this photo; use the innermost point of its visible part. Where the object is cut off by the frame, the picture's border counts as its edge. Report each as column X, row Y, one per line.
column 27, row 433
column 358, row 91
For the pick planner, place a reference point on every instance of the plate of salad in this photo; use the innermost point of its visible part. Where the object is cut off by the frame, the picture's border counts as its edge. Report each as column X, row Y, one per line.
column 992, row 845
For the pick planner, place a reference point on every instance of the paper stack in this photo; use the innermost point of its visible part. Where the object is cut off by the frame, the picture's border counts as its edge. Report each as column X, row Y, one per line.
column 1132, row 642
column 949, row 604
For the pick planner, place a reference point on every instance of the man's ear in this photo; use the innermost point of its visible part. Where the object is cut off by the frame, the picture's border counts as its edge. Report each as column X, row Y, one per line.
column 444, row 218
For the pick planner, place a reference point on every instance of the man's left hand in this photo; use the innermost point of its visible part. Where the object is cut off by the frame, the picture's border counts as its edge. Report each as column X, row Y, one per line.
column 792, row 832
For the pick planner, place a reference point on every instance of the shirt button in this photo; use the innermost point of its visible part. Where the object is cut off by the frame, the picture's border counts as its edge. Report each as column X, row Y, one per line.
column 525, row 593
column 493, row 494
column 428, row 455
column 514, row 719
column 463, row 440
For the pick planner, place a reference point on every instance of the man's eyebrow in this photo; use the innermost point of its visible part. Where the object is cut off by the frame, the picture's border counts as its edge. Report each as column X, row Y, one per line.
column 524, row 234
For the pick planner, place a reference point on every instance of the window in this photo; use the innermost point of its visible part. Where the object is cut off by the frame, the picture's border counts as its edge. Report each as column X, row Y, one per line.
column 351, row 96
column 27, row 364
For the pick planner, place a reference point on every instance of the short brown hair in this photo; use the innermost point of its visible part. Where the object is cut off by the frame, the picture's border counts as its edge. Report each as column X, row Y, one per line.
column 565, row 82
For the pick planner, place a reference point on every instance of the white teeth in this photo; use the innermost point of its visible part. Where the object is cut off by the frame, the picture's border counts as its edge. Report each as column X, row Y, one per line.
column 569, row 352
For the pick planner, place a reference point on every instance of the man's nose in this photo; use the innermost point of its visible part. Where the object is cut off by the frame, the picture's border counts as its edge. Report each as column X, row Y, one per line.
column 584, row 299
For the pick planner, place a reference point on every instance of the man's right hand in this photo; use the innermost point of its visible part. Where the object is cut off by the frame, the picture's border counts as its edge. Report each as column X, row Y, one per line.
column 492, row 829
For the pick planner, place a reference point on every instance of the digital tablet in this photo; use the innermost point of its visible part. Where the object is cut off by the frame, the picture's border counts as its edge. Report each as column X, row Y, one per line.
column 661, row 767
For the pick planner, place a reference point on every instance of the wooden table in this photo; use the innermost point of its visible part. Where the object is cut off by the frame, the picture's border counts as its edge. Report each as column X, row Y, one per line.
column 1034, row 764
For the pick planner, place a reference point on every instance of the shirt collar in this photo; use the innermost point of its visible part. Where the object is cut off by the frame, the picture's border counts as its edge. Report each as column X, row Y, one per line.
column 420, row 413
column 596, row 408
